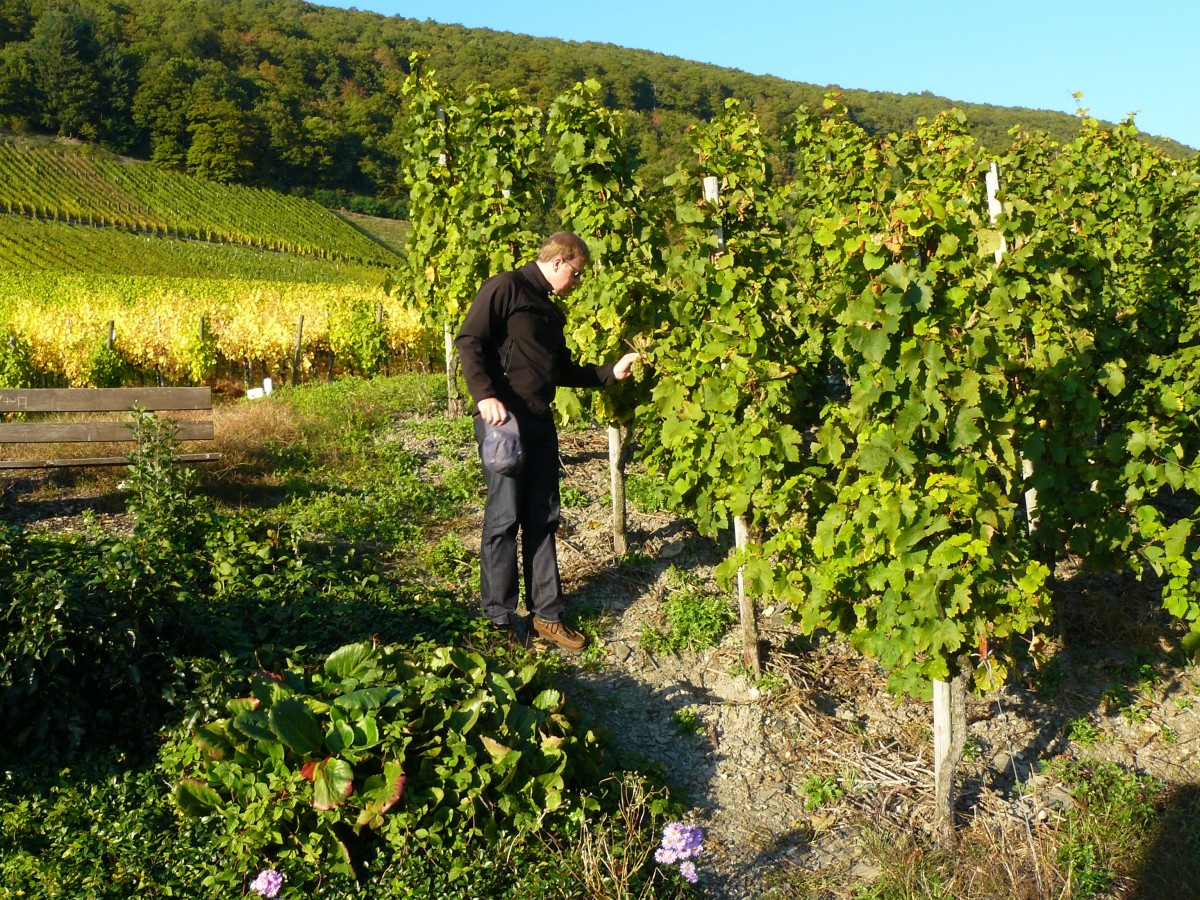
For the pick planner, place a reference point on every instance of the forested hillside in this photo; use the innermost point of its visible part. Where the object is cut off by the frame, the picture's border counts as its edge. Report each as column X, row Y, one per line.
column 301, row 97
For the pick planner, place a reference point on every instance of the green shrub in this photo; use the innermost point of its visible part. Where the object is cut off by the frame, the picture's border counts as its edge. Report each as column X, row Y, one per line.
column 16, row 362
column 106, row 830
column 362, row 340
column 318, row 768
column 91, row 628
column 87, row 635
column 106, row 367
column 200, row 353
column 103, row 829
column 163, row 491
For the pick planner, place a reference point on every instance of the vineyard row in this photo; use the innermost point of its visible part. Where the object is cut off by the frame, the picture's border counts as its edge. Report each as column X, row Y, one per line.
column 30, row 245
column 184, row 330
column 67, row 185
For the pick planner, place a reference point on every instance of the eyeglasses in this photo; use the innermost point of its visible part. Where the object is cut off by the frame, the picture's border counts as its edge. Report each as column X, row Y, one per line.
column 577, row 274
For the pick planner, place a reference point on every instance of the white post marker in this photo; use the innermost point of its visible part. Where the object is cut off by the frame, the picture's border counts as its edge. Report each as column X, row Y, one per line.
column 941, row 727
column 992, row 180
column 712, row 194
column 746, row 607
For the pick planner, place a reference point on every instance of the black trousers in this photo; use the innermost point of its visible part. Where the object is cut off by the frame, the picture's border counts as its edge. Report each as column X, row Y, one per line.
column 527, row 503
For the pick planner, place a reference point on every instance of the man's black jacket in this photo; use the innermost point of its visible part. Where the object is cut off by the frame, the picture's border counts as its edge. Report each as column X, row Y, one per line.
column 512, row 347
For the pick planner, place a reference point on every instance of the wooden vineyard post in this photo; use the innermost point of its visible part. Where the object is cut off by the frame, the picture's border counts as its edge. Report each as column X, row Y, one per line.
column 949, row 697
column 379, row 326
column 741, row 530
column 202, row 333
column 454, row 403
column 441, row 114
column 949, row 740
column 296, row 355
column 616, row 478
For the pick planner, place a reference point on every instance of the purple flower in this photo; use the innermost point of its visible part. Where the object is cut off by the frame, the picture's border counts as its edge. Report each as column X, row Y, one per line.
column 683, row 840
column 268, row 883
column 679, row 844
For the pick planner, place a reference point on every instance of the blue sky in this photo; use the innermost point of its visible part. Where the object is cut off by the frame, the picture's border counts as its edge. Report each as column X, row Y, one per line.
column 1124, row 56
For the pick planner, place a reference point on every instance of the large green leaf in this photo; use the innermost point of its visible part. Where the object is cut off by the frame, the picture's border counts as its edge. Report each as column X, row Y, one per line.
column 297, row 726
column 352, row 661
column 333, row 782
column 214, row 742
column 254, row 725
column 195, row 798
column 340, row 737
column 365, row 698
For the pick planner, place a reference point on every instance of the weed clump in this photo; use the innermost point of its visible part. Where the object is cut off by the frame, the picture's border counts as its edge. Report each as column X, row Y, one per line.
column 694, row 620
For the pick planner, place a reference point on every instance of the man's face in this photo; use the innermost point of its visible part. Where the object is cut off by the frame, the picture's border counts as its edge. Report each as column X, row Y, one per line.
column 564, row 275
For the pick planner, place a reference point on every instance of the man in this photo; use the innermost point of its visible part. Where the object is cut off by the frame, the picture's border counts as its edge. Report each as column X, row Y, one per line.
column 514, row 356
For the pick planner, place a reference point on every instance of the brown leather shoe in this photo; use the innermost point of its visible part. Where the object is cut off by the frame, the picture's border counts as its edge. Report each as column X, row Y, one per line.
column 565, row 637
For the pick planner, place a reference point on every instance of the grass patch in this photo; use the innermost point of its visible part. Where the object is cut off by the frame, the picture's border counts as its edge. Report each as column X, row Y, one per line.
column 451, row 563
column 1111, row 828
column 318, row 450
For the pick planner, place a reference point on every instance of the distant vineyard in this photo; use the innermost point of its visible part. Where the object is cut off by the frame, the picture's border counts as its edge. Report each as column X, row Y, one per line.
column 87, row 187
column 188, row 329
column 35, row 245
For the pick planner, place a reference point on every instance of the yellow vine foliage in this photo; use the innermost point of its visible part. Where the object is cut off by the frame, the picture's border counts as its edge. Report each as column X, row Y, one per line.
column 64, row 318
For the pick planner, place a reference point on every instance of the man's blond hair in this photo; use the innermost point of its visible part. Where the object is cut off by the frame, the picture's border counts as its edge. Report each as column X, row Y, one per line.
column 564, row 245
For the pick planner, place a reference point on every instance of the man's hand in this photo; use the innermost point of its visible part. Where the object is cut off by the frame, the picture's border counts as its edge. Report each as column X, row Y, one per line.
column 624, row 365
column 492, row 411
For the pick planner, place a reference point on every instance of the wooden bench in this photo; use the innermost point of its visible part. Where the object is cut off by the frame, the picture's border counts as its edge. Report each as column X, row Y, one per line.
column 91, row 430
